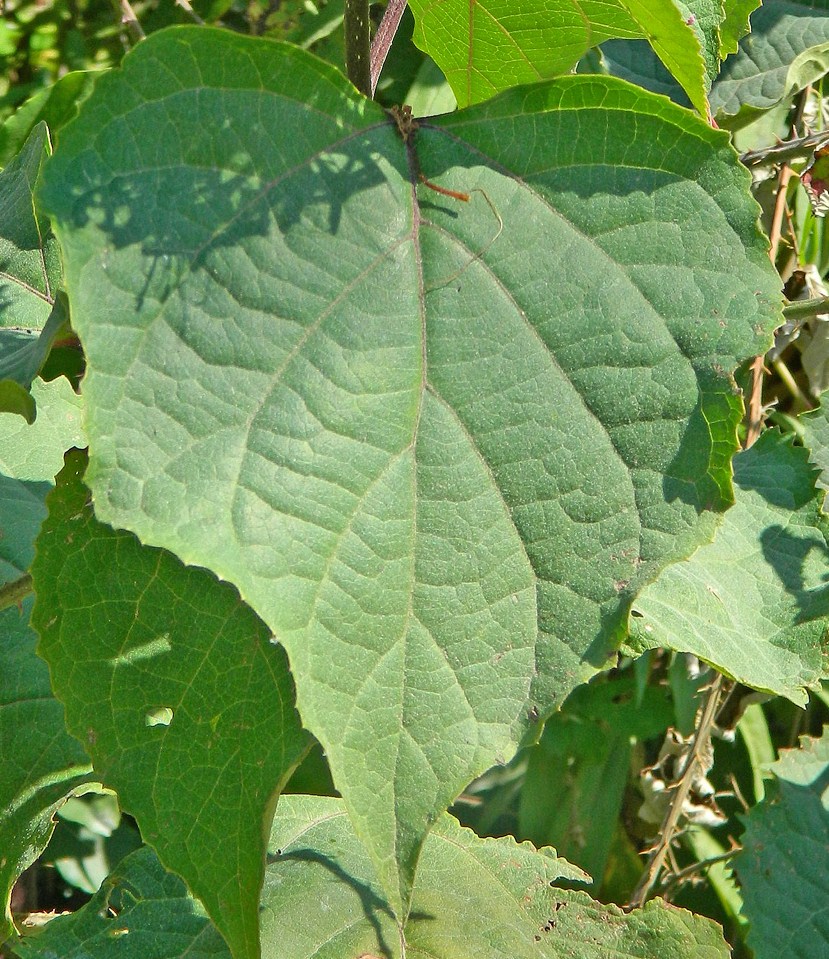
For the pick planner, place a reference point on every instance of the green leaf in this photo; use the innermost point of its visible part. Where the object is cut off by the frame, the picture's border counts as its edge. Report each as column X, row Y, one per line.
column 40, row 763
column 787, row 49
column 754, row 731
column 754, row 602
column 23, row 354
column 439, row 476
column 705, row 18
column 484, row 49
column 183, row 701
column 635, row 61
column 784, row 857
column 55, row 106
column 481, row 898
column 36, row 452
column 815, row 425
column 736, row 24
column 29, row 274
column 140, row 912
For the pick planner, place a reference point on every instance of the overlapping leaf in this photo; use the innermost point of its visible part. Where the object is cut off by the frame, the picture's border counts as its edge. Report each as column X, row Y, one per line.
column 754, row 603
column 437, row 445
column 29, row 274
column 815, row 425
column 783, row 867
column 184, row 705
column 787, row 49
column 486, row 48
column 140, row 912
column 40, row 763
column 480, row 898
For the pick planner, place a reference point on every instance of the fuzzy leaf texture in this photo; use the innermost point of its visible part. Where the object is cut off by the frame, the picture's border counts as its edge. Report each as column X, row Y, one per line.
column 183, row 703
column 474, row 899
column 754, row 603
column 783, row 861
column 437, row 445
column 787, row 49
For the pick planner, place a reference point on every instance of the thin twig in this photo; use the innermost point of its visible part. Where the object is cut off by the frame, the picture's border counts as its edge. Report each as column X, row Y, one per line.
column 703, row 865
column 381, row 44
column 12, row 594
column 787, row 150
column 754, row 414
column 129, row 19
column 185, row 6
column 802, row 401
column 681, row 789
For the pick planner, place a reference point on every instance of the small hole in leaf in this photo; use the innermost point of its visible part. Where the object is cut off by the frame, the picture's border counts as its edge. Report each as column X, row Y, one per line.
column 162, row 716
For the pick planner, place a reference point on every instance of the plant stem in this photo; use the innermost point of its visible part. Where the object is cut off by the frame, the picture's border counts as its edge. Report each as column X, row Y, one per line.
column 801, row 400
column 667, row 834
column 788, row 150
column 129, row 19
column 806, row 309
column 11, row 594
column 185, row 6
column 382, row 41
column 357, row 45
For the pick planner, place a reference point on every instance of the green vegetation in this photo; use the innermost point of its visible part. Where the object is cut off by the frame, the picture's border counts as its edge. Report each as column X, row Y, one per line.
column 412, row 540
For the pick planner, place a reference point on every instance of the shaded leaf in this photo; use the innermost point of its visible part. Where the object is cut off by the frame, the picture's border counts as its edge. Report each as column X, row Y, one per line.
column 29, row 274
column 141, row 912
column 484, row 49
column 635, row 61
column 40, row 763
column 54, row 106
column 184, row 705
column 438, row 477
column 754, row 602
column 784, row 857
column 787, row 49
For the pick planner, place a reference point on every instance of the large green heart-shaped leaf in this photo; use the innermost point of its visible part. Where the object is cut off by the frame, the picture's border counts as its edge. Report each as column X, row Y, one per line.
column 784, row 857
column 40, row 763
column 437, row 445
column 185, row 707
column 486, row 48
column 754, row 603
column 474, row 899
